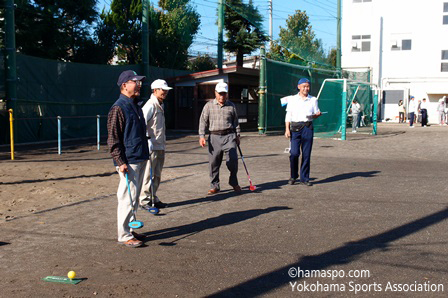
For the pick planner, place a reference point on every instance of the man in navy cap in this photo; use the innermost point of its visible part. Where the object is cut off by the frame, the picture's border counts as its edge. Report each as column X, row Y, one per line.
column 411, row 109
column 300, row 112
column 128, row 146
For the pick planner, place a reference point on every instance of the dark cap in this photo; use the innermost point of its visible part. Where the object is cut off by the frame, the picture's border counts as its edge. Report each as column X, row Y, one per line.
column 129, row 75
column 302, row 81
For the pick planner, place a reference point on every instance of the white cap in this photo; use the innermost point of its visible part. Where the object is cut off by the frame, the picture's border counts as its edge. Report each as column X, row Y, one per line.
column 221, row 87
column 160, row 84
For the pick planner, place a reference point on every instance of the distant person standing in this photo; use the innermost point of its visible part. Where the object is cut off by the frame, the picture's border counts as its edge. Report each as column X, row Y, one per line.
column 411, row 111
column 301, row 110
column 154, row 113
column 441, row 109
column 128, row 146
column 401, row 111
column 424, row 110
column 419, row 112
column 356, row 109
column 219, row 116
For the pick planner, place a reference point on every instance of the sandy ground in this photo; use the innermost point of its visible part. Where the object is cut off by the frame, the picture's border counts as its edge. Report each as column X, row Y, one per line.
column 379, row 203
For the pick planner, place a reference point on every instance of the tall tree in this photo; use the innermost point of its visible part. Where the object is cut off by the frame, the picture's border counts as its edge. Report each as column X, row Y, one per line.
column 243, row 23
column 55, row 29
column 298, row 41
column 171, row 31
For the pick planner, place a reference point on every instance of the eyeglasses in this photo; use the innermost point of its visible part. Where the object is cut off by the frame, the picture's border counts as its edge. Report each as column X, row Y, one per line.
column 138, row 83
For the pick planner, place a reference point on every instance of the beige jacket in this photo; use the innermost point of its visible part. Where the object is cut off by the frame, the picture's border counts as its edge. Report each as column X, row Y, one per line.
column 155, row 122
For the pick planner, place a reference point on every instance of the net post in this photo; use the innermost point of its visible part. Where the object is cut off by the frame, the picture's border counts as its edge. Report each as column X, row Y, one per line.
column 262, row 92
column 375, row 109
column 98, row 132
column 59, row 135
column 11, row 132
column 344, row 112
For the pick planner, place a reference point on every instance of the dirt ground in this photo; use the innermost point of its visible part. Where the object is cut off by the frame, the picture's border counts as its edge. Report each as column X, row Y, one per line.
column 378, row 208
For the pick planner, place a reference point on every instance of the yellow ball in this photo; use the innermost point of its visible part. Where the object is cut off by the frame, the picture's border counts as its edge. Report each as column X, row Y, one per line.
column 71, row 274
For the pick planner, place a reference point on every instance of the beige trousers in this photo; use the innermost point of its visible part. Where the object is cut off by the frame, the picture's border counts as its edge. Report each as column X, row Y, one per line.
column 157, row 160
column 124, row 211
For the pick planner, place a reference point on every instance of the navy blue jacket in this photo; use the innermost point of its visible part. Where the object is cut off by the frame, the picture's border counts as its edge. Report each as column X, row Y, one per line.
column 134, row 139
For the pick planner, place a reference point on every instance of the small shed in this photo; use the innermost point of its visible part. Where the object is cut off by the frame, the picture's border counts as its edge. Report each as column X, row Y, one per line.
column 193, row 91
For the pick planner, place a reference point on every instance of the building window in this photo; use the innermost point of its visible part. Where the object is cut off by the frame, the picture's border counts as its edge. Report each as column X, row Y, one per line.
column 445, row 11
column 406, row 44
column 361, row 43
column 444, row 67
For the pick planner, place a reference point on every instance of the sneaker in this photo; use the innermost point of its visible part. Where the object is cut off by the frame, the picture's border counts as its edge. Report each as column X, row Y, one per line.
column 132, row 243
column 291, row 181
column 307, row 183
column 213, row 191
column 354, row 131
column 412, row 126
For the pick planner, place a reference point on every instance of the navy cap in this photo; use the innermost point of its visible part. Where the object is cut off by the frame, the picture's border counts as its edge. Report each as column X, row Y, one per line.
column 303, row 80
column 129, row 75
column 412, row 97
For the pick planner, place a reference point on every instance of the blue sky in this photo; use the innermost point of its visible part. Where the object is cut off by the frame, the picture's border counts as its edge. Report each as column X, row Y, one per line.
column 322, row 15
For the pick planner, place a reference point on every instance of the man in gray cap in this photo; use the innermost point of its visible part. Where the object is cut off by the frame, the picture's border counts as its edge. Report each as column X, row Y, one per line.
column 153, row 110
column 128, row 146
column 219, row 116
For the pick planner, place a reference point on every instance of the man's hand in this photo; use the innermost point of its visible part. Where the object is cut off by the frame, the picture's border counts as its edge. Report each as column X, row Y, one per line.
column 124, row 168
column 202, row 142
column 317, row 115
column 287, row 133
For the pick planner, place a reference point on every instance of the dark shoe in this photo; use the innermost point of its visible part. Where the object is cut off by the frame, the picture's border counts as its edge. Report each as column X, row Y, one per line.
column 237, row 188
column 213, row 191
column 138, row 236
column 291, row 181
column 160, row 205
column 146, row 207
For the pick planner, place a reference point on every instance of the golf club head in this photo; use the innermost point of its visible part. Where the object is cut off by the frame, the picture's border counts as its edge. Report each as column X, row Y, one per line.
column 136, row 224
column 153, row 210
column 252, row 188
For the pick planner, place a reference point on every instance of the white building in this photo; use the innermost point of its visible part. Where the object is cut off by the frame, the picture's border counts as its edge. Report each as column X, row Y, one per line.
column 404, row 43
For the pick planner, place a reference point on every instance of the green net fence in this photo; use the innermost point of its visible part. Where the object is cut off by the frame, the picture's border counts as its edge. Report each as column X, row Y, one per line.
column 75, row 92
column 281, row 81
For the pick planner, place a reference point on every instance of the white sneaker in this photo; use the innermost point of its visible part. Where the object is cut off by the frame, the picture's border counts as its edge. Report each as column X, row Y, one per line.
column 353, row 131
column 412, row 126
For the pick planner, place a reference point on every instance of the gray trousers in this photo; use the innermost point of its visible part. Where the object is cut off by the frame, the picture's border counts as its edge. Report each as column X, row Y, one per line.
column 355, row 121
column 157, row 161
column 217, row 146
column 124, row 211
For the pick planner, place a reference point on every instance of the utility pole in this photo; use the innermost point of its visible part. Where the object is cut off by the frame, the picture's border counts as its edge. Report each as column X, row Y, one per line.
column 10, row 50
column 339, row 28
column 271, row 36
column 220, row 31
column 145, row 47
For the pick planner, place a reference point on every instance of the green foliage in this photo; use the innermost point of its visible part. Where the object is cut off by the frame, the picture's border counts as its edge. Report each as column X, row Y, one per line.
column 201, row 63
column 54, row 29
column 243, row 24
column 171, row 31
column 297, row 42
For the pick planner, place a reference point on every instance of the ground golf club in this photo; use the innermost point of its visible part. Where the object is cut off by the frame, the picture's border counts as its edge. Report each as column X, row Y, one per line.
column 251, row 187
column 153, row 210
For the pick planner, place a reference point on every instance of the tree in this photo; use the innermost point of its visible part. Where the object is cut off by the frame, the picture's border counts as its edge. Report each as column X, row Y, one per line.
column 201, row 63
column 171, row 31
column 54, row 29
column 298, row 41
column 243, row 24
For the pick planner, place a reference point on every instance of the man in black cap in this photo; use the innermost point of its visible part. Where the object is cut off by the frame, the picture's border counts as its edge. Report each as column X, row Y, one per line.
column 128, row 146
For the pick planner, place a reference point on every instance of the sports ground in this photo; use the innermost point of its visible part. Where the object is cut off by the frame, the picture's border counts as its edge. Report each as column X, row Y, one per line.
column 375, row 222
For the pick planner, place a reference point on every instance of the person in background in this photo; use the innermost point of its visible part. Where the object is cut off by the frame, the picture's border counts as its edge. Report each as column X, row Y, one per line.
column 419, row 112
column 411, row 111
column 441, row 109
column 401, row 111
column 356, row 109
column 424, row 110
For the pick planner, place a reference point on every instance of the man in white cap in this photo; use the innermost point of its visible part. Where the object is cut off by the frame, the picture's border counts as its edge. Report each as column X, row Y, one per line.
column 155, row 126
column 219, row 116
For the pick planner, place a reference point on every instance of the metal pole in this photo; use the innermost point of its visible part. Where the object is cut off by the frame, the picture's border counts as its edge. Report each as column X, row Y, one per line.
column 271, row 34
column 220, row 32
column 145, row 48
column 11, row 132
column 98, row 131
column 375, row 110
column 344, row 113
column 59, row 135
column 262, row 92
column 10, row 51
column 339, row 33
